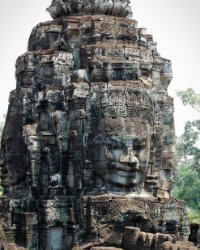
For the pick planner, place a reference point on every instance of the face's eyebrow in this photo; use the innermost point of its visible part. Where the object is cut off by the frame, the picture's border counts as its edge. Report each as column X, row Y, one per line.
column 124, row 138
column 115, row 140
column 120, row 138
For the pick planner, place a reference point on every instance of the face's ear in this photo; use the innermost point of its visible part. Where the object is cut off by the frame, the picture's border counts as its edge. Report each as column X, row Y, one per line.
column 85, row 140
column 2, row 158
column 88, row 139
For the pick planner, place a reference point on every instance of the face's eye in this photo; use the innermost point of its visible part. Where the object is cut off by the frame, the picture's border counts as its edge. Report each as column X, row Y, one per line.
column 98, row 140
column 137, row 147
column 114, row 144
column 117, row 146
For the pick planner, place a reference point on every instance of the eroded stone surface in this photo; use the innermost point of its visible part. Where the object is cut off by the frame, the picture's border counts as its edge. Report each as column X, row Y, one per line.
column 195, row 233
column 179, row 245
column 88, row 145
column 59, row 8
column 135, row 239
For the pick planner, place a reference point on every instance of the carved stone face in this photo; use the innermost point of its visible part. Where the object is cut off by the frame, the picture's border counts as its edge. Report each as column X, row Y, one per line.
column 13, row 165
column 120, row 154
column 13, row 162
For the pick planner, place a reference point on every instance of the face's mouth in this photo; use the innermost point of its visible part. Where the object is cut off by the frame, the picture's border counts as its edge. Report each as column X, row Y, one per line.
column 124, row 179
column 127, row 174
column 126, row 167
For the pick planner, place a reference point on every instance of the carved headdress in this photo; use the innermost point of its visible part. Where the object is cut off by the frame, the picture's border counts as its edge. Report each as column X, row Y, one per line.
column 119, row 8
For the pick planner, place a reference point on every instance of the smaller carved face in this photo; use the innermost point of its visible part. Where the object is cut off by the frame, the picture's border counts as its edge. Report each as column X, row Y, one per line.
column 13, row 162
column 16, row 170
column 121, row 154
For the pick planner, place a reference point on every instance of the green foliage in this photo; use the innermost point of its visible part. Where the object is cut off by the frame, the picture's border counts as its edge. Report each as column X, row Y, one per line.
column 187, row 184
column 189, row 97
column 194, row 216
column 188, row 145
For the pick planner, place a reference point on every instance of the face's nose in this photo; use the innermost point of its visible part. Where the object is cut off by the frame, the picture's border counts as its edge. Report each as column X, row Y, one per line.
column 129, row 157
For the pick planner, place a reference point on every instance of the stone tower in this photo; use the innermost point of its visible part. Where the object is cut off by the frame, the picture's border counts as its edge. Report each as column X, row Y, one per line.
column 87, row 152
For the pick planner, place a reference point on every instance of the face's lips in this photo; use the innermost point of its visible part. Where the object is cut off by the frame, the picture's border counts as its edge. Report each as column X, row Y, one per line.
column 127, row 167
column 126, row 174
column 124, row 179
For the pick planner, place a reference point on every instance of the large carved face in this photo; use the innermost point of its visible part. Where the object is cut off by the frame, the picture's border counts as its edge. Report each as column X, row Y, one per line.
column 120, row 154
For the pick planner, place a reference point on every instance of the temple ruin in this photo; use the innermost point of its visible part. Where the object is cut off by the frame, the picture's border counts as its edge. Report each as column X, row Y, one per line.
column 88, row 148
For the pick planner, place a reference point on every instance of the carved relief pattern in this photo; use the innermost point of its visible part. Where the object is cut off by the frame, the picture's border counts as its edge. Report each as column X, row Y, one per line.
column 87, row 152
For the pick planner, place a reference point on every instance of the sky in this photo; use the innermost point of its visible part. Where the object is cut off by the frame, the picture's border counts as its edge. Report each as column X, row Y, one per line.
column 174, row 25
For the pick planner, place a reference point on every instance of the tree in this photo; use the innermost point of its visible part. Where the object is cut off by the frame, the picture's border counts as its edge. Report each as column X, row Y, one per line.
column 187, row 184
column 189, row 97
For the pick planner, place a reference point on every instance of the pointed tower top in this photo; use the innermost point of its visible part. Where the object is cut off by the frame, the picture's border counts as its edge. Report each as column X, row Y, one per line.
column 120, row 8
